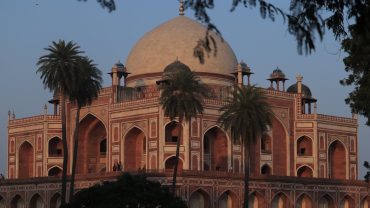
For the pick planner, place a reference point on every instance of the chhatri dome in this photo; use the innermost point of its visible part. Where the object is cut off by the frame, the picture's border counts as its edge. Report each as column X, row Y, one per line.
column 175, row 40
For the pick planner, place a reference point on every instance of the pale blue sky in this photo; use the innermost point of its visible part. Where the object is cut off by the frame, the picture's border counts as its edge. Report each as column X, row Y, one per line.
column 26, row 27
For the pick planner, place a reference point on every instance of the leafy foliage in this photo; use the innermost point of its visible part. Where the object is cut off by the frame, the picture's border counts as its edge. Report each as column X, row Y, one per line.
column 367, row 176
column 58, row 70
column 358, row 63
column 247, row 115
column 127, row 191
column 183, row 95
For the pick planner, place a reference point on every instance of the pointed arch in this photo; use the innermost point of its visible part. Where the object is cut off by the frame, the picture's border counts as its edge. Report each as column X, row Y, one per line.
column 347, row 202
column 304, row 201
column 266, row 170
column 280, row 200
column 91, row 132
column 337, row 155
column 17, row 202
column 215, row 149
column 256, row 200
column 326, row 201
column 55, row 201
column 304, row 146
column 55, row 147
column 26, row 160
column 169, row 163
column 280, row 144
column 55, row 171
column 134, row 149
column 305, row 171
column 228, row 199
column 365, row 202
column 37, row 202
column 2, row 202
column 200, row 199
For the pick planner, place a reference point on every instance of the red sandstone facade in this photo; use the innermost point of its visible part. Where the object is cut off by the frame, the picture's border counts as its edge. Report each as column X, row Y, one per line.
column 305, row 160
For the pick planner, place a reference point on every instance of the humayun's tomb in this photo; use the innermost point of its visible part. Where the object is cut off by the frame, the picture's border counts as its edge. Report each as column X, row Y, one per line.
column 305, row 160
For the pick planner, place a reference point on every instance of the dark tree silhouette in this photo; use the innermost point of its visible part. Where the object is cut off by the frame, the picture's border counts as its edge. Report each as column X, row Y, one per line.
column 127, row 191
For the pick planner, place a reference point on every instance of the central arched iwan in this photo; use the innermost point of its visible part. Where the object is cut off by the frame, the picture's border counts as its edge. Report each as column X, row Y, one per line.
column 91, row 133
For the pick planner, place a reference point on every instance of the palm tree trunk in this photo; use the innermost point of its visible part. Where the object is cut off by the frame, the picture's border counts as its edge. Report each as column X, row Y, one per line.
column 177, row 157
column 74, row 157
column 246, row 171
column 65, row 152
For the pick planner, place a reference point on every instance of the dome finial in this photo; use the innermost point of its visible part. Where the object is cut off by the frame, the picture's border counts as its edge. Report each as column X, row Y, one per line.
column 181, row 9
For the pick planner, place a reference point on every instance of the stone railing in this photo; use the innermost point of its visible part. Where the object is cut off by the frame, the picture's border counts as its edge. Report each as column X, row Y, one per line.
column 336, row 119
column 191, row 174
column 32, row 119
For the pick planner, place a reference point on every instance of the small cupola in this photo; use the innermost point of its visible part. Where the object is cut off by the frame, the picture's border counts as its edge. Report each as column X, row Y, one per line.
column 240, row 71
column 278, row 77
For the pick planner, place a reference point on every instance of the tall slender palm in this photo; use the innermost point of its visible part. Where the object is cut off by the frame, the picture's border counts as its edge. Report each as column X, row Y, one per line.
column 181, row 97
column 247, row 115
column 56, row 69
column 88, row 78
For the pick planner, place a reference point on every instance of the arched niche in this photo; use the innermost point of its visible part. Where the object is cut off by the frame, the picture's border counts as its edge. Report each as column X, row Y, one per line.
column 365, row 203
column 36, row 202
column 304, row 146
column 134, row 150
column 92, row 132
column 17, row 202
column 200, row 199
column 26, row 160
column 305, row 171
column 215, row 150
column 326, row 202
column 256, row 200
column 266, row 170
column 228, row 200
column 281, row 151
column 55, row 201
column 347, row 202
column 337, row 160
column 169, row 164
column 280, row 200
column 2, row 202
column 172, row 133
column 55, row 171
column 55, row 147
column 304, row 201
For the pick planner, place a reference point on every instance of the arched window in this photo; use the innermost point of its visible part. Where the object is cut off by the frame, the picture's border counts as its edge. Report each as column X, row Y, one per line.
column 55, row 171
column 304, row 201
column 326, row 202
column 55, row 201
column 337, row 160
column 170, row 164
column 37, row 202
column 304, row 146
column 55, row 147
column 26, row 161
column 265, row 170
column 200, row 199
column 305, row 171
column 103, row 147
column 17, row 202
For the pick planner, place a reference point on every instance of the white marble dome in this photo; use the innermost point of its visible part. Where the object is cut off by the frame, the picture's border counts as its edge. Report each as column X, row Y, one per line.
column 175, row 40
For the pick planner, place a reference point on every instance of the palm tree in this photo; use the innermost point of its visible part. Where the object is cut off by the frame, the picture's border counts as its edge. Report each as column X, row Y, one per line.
column 56, row 69
column 87, row 89
column 181, row 97
column 247, row 115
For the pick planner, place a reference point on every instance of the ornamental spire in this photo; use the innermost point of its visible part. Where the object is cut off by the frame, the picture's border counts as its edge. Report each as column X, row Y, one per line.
column 181, row 9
